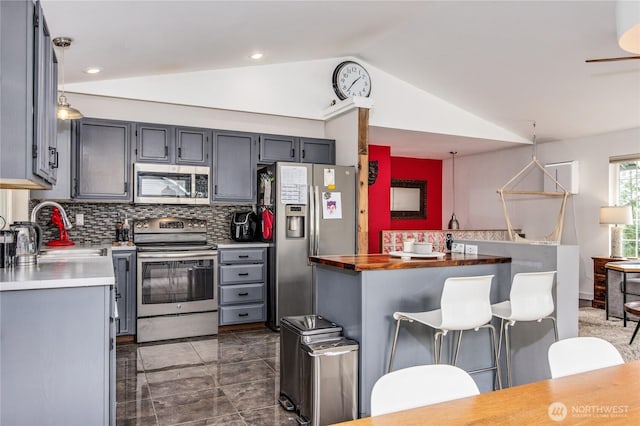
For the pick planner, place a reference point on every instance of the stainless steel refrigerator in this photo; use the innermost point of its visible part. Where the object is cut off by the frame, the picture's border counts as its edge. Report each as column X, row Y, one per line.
column 315, row 209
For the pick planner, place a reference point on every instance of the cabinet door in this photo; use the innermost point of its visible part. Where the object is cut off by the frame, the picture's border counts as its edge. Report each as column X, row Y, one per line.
column 102, row 159
column 154, row 143
column 320, row 151
column 44, row 100
column 192, row 146
column 278, row 148
column 235, row 155
column 124, row 265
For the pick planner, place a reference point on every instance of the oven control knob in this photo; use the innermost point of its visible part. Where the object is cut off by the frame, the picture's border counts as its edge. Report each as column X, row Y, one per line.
column 202, row 225
column 179, row 306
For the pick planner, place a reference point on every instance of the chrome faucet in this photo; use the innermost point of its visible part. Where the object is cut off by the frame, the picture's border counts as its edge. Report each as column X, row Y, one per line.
column 65, row 218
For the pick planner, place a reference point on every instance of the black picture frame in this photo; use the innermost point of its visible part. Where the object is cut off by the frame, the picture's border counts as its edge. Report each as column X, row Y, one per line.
column 421, row 211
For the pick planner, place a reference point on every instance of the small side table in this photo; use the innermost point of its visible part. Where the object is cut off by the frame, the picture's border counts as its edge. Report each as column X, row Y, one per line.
column 634, row 309
column 599, row 280
column 626, row 267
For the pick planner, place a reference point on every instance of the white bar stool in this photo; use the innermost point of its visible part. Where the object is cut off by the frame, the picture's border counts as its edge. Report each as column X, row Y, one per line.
column 530, row 299
column 465, row 305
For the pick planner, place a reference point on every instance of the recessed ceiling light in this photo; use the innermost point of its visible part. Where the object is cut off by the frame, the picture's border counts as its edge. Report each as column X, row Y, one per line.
column 93, row 70
column 256, row 55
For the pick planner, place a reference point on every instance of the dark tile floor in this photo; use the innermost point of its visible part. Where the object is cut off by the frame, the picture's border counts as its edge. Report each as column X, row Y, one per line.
column 229, row 379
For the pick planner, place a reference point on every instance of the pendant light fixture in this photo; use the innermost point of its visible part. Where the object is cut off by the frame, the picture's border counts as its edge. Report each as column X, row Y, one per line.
column 453, row 222
column 65, row 111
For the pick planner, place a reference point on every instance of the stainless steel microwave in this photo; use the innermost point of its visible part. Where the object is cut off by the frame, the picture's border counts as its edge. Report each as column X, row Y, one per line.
column 171, row 184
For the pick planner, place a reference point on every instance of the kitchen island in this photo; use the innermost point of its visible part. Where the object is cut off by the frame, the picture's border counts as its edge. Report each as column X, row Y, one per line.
column 362, row 292
column 57, row 358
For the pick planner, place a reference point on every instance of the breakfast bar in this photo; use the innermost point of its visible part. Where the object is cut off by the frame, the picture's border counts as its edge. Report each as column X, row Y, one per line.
column 362, row 292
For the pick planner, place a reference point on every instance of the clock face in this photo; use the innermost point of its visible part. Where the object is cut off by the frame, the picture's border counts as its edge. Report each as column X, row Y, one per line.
column 351, row 79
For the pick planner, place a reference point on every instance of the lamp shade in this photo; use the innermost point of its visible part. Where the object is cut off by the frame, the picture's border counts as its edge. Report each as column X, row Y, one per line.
column 628, row 25
column 616, row 215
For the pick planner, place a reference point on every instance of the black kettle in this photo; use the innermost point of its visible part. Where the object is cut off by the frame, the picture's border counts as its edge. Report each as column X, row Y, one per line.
column 243, row 226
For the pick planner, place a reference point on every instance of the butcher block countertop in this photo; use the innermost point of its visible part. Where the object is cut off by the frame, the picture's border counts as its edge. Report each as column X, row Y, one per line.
column 383, row 262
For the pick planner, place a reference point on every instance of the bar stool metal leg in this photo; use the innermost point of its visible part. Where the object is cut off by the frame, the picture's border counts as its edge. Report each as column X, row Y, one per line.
column 495, row 354
column 507, row 346
column 394, row 346
column 635, row 332
column 457, row 349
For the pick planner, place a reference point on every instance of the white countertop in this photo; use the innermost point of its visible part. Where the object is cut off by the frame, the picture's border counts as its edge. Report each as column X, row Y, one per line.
column 60, row 273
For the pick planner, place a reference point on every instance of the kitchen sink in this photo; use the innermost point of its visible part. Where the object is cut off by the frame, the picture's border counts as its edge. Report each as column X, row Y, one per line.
column 72, row 253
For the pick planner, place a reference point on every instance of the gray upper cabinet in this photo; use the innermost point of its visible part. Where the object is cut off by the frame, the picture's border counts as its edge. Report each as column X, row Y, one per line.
column 28, row 91
column 296, row 149
column 234, row 169
column 45, row 162
column 159, row 143
column 320, row 151
column 101, row 166
column 278, row 148
column 154, row 143
column 192, row 146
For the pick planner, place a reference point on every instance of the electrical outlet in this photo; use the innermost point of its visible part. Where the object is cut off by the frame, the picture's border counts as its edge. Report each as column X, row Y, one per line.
column 457, row 248
column 471, row 249
column 79, row 219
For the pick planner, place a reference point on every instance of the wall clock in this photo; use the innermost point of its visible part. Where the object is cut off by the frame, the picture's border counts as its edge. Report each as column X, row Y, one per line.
column 351, row 79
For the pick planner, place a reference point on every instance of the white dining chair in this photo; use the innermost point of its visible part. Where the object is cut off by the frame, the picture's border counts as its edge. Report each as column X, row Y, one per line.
column 580, row 354
column 530, row 299
column 421, row 385
column 464, row 305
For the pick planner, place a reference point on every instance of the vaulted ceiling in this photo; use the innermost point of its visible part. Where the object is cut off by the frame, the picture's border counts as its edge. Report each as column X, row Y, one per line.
column 508, row 62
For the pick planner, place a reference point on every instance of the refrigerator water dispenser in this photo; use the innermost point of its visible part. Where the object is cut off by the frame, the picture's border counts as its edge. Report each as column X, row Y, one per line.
column 295, row 220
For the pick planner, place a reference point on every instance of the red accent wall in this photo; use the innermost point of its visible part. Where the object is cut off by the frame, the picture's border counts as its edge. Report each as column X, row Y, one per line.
column 421, row 169
column 379, row 198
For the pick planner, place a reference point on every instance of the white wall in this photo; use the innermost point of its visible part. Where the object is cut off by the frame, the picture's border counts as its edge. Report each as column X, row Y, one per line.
column 344, row 129
column 299, row 89
column 479, row 176
column 166, row 113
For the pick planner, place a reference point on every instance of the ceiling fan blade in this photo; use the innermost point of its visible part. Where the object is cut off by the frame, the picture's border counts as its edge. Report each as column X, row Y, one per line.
column 623, row 58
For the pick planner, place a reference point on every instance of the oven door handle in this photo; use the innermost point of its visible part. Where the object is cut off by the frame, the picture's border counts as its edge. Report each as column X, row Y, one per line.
column 175, row 255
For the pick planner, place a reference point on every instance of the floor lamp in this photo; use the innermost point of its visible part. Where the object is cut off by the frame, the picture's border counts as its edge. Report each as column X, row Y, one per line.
column 616, row 216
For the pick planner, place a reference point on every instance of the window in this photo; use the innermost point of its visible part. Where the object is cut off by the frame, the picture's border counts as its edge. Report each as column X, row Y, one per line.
column 626, row 191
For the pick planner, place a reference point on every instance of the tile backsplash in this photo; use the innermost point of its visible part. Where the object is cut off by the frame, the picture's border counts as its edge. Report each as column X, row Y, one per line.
column 100, row 218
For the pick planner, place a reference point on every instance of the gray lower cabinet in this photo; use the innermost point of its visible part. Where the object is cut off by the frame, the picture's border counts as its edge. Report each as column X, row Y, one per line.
column 234, row 166
column 296, row 149
column 28, row 88
column 57, row 357
column 242, row 286
column 124, row 265
column 101, row 162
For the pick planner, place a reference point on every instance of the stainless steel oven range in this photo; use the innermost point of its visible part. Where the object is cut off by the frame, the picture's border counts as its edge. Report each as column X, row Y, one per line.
column 177, row 284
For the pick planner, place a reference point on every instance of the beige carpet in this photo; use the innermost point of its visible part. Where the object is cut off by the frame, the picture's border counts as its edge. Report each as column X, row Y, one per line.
column 591, row 322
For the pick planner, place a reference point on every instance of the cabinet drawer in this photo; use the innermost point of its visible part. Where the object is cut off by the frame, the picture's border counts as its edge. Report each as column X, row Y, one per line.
column 239, row 314
column 599, row 294
column 244, row 293
column 242, row 256
column 233, row 274
column 598, row 266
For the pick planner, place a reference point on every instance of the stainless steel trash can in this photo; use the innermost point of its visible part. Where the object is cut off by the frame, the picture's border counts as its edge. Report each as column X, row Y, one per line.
column 329, row 382
column 294, row 332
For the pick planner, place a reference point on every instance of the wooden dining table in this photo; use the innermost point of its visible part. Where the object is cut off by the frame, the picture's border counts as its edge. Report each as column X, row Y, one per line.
column 608, row 396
